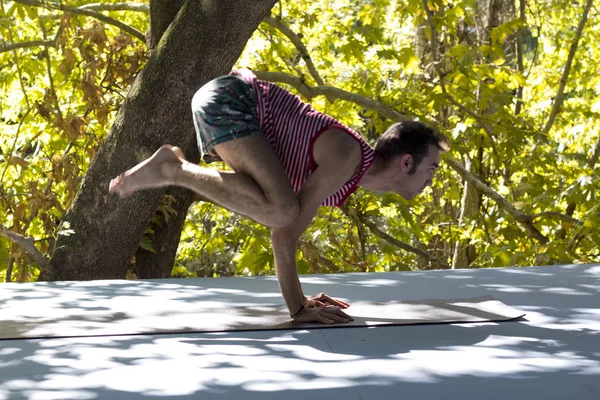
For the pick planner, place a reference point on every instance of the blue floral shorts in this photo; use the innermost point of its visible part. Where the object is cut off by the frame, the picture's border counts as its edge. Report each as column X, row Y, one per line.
column 224, row 109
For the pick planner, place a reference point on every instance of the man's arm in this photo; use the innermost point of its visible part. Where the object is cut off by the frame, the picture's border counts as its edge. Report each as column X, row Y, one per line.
column 337, row 156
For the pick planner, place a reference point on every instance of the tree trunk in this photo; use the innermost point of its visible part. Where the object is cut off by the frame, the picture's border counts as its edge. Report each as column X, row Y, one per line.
column 491, row 14
column 203, row 42
column 162, row 13
column 159, row 264
column 469, row 210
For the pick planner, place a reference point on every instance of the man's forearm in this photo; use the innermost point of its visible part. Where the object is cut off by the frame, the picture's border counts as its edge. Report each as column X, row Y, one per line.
column 284, row 250
column 284, row 242
column 317, row 187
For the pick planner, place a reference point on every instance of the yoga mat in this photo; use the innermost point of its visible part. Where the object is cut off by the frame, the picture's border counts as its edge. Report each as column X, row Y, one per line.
column 127, row 319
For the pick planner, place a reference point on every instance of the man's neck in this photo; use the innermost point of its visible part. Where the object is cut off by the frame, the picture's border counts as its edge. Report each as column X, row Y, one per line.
column 372, row 179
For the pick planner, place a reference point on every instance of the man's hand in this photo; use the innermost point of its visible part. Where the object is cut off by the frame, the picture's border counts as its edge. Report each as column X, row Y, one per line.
column 322, row 300
column 324, row 309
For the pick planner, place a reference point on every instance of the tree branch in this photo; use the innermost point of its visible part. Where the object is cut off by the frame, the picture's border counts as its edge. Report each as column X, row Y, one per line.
column 559, row 96
column 81, row 11
column 162, row 14
column 331, row 92
column 591, row 163
column 324, row 261
column 595, row 155
column 525, row 219
column 520, row 67
column 558, row 215
column 17, row 64
column 35, row 43
column 49, row 67
column 563, row 80
column 26, row 243
column 434, row 45
column 24, row 45
column 398, row 243
column 297, row 41
column 9, row 269
column 140, row 7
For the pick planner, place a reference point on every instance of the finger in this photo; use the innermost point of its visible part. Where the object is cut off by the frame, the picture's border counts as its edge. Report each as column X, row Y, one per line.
column 325, row 297
column 315, row 303
column 310, row 304
column 343, row 304
column 325, row 320
column 112, row 187
column 117, row 184
column 339, row 318
column 338, row 315
column 336, row 302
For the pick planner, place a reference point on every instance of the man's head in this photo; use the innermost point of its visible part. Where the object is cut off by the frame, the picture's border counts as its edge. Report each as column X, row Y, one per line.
column 410, row 152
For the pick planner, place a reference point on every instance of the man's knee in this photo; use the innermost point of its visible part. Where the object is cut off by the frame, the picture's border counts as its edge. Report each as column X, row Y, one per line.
column 285, row 213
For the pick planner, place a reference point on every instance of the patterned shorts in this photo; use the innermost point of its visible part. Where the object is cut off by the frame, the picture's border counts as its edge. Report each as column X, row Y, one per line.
column 224, row 109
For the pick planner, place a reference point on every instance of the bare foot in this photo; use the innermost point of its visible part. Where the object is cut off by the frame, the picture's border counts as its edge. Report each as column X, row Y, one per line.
column 155, row 172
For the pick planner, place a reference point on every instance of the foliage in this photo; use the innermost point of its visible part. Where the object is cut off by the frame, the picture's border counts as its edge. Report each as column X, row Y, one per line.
column 58, row 102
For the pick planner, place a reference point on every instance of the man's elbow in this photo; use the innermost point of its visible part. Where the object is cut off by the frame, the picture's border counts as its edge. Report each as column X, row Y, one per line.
column 285, row 215
column 285, row 236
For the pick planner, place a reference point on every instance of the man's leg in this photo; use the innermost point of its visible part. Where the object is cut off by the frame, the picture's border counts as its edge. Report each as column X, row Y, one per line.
column 258, row 187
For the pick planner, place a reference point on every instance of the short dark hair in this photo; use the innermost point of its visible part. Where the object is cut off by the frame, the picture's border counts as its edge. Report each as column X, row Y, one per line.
column 409, row 137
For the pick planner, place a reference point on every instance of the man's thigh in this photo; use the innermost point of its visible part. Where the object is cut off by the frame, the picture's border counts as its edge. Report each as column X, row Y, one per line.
column 255, row 157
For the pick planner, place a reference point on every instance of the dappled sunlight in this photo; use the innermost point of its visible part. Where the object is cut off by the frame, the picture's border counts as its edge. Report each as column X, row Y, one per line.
column 316, row 280
column 310, row 353
column 267, row 362
column 263, row 362
column 557, row 339
column 301, row 382
column 377, row 283
column 491, row 361
column 593, row 288
column 593, row 271
column 579, row 319
column 510, row 288
column 566, row 291
column 524, row 271
column 456, row 276
column 124, row 307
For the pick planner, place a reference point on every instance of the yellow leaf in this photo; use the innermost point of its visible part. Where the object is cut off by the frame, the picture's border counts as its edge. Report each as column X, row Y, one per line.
column 130, row 275
column 14, row 160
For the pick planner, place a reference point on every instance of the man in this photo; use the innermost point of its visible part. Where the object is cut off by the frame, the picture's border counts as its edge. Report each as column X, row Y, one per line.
column 287, row 159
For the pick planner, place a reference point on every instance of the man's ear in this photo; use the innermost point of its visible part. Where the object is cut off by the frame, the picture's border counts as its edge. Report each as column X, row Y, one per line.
column 405, row 162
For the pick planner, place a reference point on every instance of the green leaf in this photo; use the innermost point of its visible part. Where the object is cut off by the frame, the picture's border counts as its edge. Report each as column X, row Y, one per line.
column 146, row 244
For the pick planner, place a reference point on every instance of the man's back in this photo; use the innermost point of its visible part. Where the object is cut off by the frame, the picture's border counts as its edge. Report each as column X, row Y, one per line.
column 292, row 126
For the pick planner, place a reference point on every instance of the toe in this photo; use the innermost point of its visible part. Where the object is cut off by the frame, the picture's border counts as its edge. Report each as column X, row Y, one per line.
column 112, row 186
column 179, row 153
column 116, row 184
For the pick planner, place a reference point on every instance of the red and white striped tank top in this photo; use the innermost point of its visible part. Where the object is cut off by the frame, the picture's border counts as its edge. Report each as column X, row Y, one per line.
column 292, row 127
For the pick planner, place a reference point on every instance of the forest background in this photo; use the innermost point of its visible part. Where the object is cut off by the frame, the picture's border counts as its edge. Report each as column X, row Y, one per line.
column 514, row 85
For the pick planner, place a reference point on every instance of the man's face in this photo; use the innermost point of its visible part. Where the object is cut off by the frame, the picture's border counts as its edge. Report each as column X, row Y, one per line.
column 410, row 185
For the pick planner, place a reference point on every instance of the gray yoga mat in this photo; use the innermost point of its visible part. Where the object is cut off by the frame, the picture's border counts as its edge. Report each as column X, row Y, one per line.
column 21, row 323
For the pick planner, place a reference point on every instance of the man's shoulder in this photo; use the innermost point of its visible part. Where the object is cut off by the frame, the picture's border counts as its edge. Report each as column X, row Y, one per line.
column 337, row 145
